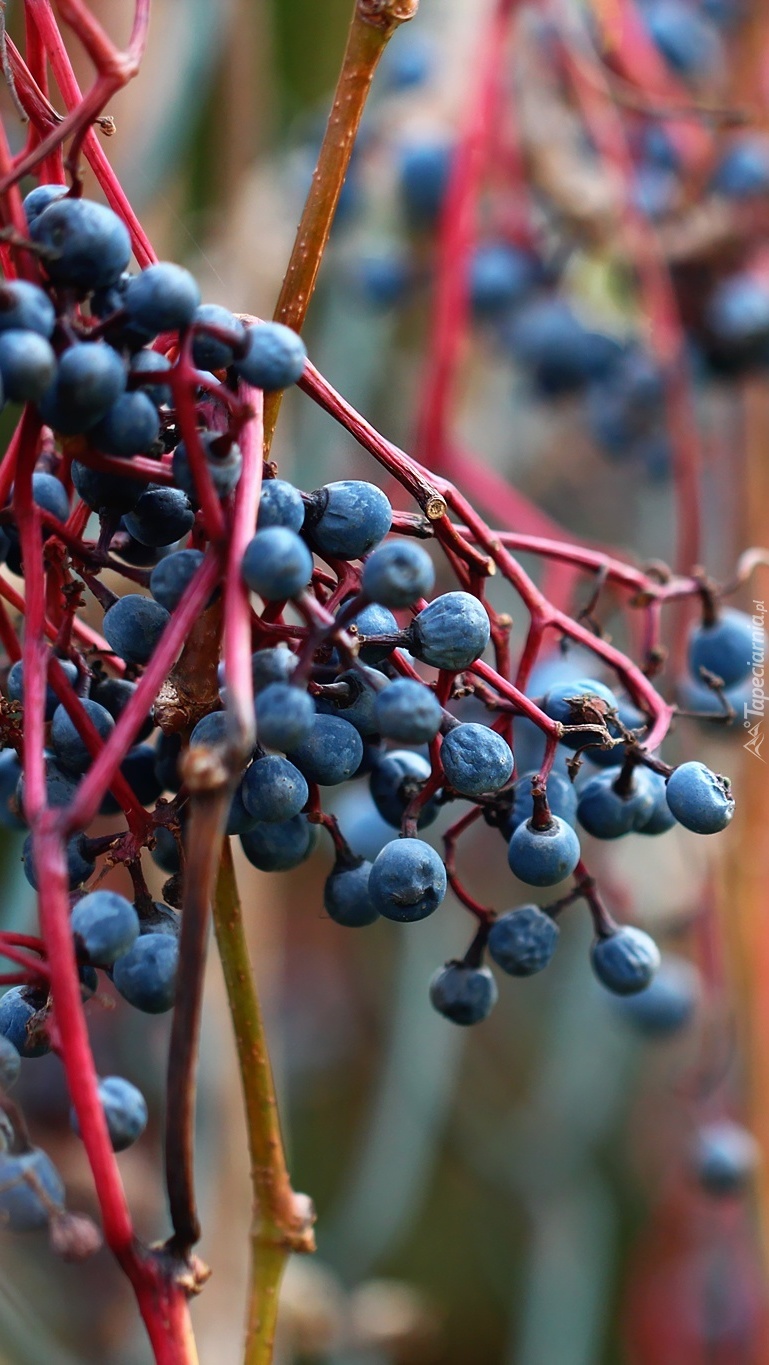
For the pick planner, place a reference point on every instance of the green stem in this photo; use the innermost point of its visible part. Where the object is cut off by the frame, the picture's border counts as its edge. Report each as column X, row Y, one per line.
column 282, row 1220
column 373, row 23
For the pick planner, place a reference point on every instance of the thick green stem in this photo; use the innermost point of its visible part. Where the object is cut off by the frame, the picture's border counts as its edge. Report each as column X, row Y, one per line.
column 282, row 1220
column 373, row 22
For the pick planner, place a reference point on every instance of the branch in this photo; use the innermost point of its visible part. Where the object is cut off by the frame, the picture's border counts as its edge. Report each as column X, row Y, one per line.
column 372, row 25
column 282, row 1220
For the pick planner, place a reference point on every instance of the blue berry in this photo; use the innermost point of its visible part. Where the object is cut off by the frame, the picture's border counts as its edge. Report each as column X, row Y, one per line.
column 726, row 647
column 225, row 468
column 161, row 517
column 10, row 774
column 133, row 626
column 170, row 578
column 114, row 695
column 89, row 379
column 88, row 246
column 608, row 814
column 346, row 895
column 280, row 505
column 277, row 564
column 543, row 857
column 273, row 789
column 211, row 730
column 15, row 685
column 476, row 759
column 146, row 975
column 451, row 632
column 285, row 716
column 104, row 493
column 30, row 1190
column 501, row 275
column 725, row 1157
column 523, row 941
column 129, row 427
column 119, row 331
column 625, row 961
column 395, row 780
column 272, row 665
column 145, row 370
column 21, row 1020
column 139, row 770
column 166, row 852
column 423, row 173
column 580, row 702
column 50, row 495
column 738, row 311
column 348, row 518
column 331, row 754
column 160, row 919
column 125, row 1110
column 687, row 41
column 39, row 199
column 661, row 817
column 562, row 355
column 358, row 707
column 167, row 753
column 407, row 880
column 462, row 993
column 208, row 352
column 279, row 847
column 744, row 169
column 10, row 1063
column 700, row 799
column 25, row 307
column 27, row 365
column 69, row 748
column 79, row 865
column 397, row 574
column 667, row 1004
column 408, row 711
column 163, row 298
column 239, row 820
column 274, row 358
column 561, row 798
column 383, row 277
column 106, row 925
column 409, row 63
column 372, row 621
column 60, row 786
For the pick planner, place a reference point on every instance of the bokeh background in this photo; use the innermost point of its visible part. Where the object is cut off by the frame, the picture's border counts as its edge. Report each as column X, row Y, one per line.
column 522, row 1193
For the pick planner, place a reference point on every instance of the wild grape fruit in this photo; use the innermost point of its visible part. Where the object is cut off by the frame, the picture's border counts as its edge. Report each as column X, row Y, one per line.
column 625, row 961
column 462, row 993
column 724, row 1158
column 543, row 857
column 523, row 940
column 407, row 880
column 353, row 657
column 31, row 1190
column 700, row 800
column 125, row 1110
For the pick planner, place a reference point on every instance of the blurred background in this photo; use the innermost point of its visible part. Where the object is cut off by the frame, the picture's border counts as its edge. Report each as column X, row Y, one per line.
column 523, row 1193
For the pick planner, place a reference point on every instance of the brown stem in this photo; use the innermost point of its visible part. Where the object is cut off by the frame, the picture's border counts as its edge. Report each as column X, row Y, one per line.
column 282, row 1220
column 373, row 22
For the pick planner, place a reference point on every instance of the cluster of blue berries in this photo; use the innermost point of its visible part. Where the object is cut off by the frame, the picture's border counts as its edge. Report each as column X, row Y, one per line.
column 373, row 697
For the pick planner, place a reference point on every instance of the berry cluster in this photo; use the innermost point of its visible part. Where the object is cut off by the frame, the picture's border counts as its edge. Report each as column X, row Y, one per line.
column 349, row 667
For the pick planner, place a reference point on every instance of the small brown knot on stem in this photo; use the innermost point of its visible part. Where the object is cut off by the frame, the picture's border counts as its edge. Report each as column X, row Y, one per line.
column 301, row 1237
column 387, row 13
column 203, row 770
